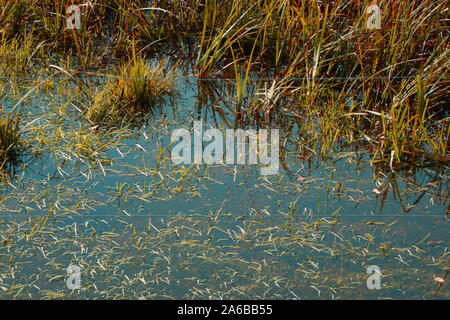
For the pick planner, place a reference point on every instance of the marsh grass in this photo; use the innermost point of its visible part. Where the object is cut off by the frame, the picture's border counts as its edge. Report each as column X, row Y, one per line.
column 319, row 54
column 11, row 146
column 139, row 87
column 15, row 56
column 338, row 93
column 12, row 15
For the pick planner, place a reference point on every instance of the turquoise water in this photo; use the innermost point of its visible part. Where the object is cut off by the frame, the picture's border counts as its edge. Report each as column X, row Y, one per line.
column 140, row 227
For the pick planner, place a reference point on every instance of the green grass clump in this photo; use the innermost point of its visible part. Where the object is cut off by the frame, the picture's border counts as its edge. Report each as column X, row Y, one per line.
column 15, row 56
column 12, row 15
column 10, row 143
column 141, row 85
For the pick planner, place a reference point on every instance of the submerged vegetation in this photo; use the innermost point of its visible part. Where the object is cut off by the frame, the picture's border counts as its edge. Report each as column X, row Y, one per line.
column 363, row 123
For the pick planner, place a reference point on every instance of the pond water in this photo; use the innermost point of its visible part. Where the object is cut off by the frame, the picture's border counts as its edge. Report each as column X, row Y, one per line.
column 138, row 226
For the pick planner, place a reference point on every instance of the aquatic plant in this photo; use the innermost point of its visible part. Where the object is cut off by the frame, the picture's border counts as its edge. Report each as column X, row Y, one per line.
column 12, row 16
column 15, row 56
column 10, row 141
column 363, row 130
column 139, row 87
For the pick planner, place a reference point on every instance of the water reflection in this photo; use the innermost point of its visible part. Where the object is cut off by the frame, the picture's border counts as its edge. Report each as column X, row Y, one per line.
column 141, row 227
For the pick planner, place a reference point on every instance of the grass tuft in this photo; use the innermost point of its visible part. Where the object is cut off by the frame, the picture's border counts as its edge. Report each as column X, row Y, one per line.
column 10, row 142
column 141, row 85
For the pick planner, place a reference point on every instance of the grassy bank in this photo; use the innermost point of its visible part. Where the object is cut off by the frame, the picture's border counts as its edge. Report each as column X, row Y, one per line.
column 383, row 89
